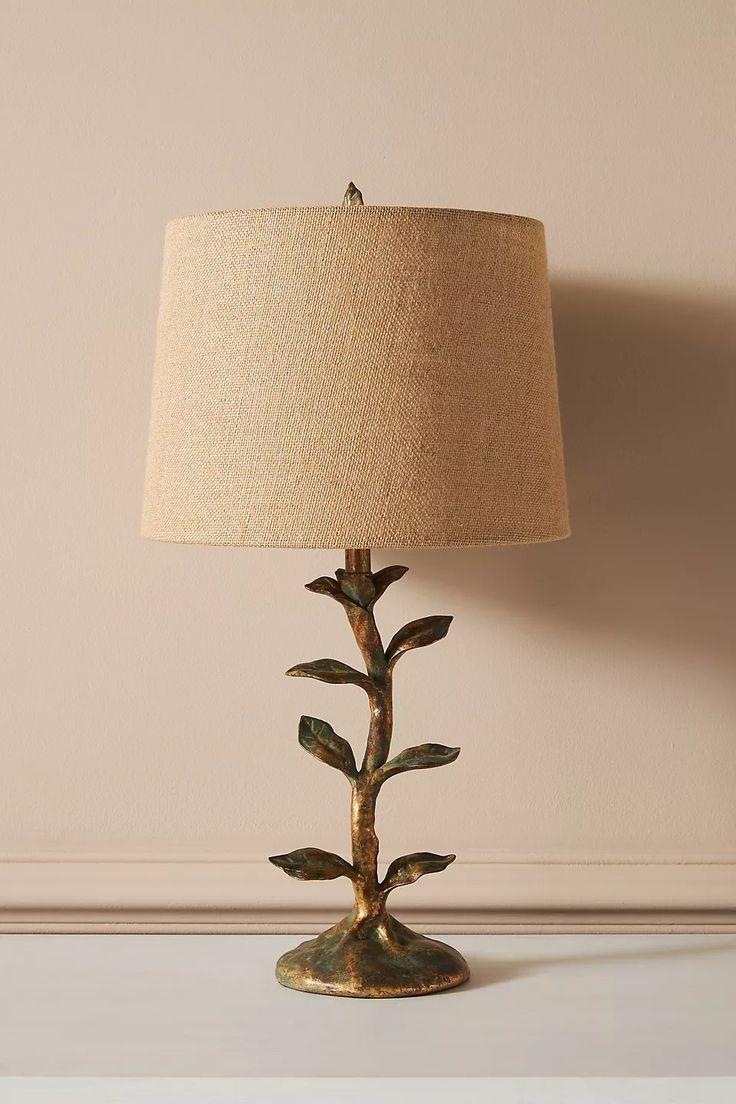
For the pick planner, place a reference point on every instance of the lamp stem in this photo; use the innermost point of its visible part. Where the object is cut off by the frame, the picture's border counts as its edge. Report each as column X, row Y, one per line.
column 369, row 901
column 358, row 560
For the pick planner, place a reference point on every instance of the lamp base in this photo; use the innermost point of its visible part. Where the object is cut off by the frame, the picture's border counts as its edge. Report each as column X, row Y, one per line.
column 372, row 957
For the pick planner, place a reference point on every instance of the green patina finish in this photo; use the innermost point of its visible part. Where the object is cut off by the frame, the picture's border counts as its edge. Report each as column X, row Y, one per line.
column 353, row 196
column 373, row 958
column 368, row 953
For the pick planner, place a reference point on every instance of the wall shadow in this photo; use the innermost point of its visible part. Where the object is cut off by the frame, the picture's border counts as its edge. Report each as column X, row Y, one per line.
column 648, row 396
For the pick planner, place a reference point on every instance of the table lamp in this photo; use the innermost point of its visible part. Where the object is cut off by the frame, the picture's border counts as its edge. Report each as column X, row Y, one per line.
column 357, row 377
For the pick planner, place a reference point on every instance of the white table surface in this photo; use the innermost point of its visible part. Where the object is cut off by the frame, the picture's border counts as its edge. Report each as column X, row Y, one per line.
column 208, row 1007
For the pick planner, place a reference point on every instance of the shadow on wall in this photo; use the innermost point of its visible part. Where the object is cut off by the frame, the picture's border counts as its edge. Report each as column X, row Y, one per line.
column 648, row 390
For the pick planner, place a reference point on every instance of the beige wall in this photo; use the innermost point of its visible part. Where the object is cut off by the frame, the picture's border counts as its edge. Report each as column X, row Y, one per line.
column 149, row 754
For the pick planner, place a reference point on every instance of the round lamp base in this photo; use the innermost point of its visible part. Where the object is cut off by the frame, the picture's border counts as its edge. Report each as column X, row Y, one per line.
column 372, row 958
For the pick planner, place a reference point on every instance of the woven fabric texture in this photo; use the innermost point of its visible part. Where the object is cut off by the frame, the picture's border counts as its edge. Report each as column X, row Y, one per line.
column 360, row 377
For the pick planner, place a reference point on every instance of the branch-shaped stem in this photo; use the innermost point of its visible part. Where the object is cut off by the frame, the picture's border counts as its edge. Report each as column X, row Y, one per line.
column 369, row 901
column 357, row 589
column 368, row 898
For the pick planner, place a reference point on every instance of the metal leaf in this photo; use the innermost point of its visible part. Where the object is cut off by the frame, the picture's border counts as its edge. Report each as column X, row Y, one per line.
column 320, row 739
column 328, row 586
column 409, row 868
column 357, row 587
column 311, row 864
column 382, row 579
column 330, row 670
column 420, row 758
column 417, row 634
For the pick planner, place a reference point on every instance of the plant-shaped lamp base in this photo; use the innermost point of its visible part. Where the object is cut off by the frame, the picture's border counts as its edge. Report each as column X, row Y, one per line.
column 369, row 953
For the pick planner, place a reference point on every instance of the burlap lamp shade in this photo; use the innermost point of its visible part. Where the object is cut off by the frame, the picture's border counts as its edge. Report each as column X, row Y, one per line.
column 355, row 377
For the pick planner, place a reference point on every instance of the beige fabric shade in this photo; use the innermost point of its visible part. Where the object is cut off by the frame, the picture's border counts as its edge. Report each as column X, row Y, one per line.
column 355, row 377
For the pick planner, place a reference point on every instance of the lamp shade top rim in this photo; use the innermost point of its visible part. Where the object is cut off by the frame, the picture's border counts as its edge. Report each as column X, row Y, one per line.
column 368, row 211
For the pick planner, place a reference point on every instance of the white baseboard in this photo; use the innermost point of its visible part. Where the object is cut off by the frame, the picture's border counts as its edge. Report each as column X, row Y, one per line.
column 225, row 896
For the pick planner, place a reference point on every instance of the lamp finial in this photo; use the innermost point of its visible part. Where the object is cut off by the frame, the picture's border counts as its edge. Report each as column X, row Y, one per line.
column 353, row 196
